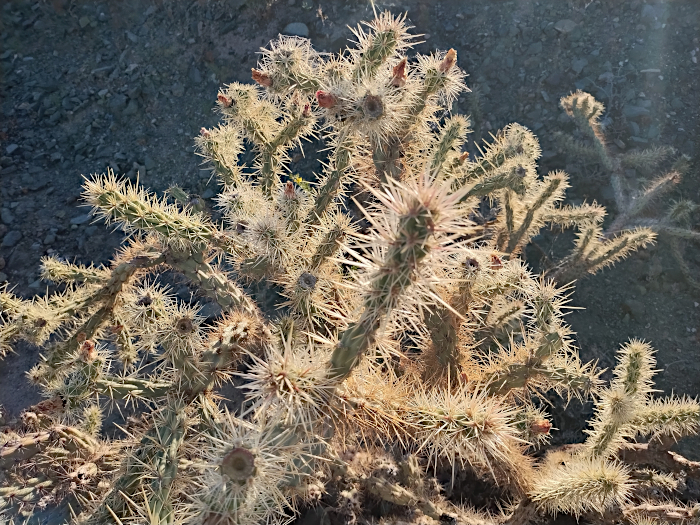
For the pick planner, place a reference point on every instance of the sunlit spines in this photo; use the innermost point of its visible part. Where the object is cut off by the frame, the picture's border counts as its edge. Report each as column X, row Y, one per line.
column 289, row 63
column 581, row 484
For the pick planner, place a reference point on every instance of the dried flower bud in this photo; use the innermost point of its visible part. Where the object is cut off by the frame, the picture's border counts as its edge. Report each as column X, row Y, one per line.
column 225, row 101
column 289, row 190
column 326, row 99
column 448, row 61
column 262, row 78
column 88, row 352
column 496, row 262
column 81, row 337
column 204, row 132
column 398, row 78
column 463, row 157
column 307, row 281
column 307, row 111
column 541, row 426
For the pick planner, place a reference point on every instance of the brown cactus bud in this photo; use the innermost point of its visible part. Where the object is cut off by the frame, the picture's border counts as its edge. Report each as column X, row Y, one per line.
column 448, row 61
column 88, row 352
column 398, row 78
column 204, row 132
column 496, row 262
column 326, row 99
column 225, row 101
column 541, row 426
column 307, row 111
column 289, row 189
column 184, row 326
column 463, row 157
column 261, row 78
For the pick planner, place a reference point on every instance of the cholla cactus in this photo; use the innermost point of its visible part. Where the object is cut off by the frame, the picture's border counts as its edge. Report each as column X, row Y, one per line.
column 635, row 219
column 412, row 341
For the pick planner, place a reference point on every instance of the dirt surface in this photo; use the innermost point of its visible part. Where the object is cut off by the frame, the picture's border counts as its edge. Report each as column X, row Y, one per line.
column 90, row 85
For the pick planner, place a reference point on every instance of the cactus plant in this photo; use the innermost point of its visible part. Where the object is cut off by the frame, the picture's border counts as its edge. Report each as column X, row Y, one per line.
column 410, row 341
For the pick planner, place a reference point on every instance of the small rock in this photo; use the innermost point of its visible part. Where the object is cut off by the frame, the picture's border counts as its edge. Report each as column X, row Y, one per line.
column 565, row 26
column 178, row 90
column 3, row 277
column 210, row 311
column 6, row 216
column 81, row 219
column 534, row 48
column 149, row 163
column 631, row 111
column 677, row 103
column 132, row 108
column 578, row 64
column 84, row 21
column 131, row 36
column 49, row 239
column 11, row 149
column 117, row 103
column 208, row 193
column 634, row 308
column 11, row 238
column 296, row 29
column 195, row 75
column 554, row 79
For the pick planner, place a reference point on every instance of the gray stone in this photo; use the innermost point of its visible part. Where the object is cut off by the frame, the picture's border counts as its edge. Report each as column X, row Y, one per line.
column 635, row 308
column 131, row 36
column 81, row 219
column 534, row 48
column 3, row 277
column 677, row 103
column 633, row 127
column 11, row 238
column 578, row 64
column 565, row 26
column 296, row 29
column 195, row 75
column 11, row 149
column 6, row 216
column 210, row 311
column 653, row 131
column 631, row 111
column 49, row 239
column 553, row 80
column 178, row 90
column 149, row 163
column 117, row 103
column 208, row 193
column 131, row 108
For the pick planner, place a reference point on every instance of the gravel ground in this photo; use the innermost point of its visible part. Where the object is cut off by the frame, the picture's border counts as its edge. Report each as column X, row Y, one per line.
column 91, row 85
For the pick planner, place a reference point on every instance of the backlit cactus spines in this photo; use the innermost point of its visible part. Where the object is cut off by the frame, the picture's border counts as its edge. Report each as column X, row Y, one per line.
column 409, row 348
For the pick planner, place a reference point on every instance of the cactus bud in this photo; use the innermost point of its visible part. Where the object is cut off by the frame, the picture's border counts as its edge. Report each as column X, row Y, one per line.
column 87, row 351
column 448, row 61
column 262, row 78
column 398, row 78
column 326, row 99
column 204, row 132
column 225, row 101
column 307, row 111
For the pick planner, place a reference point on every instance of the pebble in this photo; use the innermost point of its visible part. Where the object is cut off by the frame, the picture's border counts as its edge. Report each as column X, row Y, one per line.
column 178, row 89
column 578, row 64
column 534, row 48
column 11, row 238
column 631, row 111
column 131, row 36
column 6, row 216
column 11, row 149
column 81, row 219
column 49, row 239
column 296, row 29
column 565, row 26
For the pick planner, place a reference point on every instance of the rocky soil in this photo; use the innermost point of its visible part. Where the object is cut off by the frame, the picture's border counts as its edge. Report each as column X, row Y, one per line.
column 94, row 85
